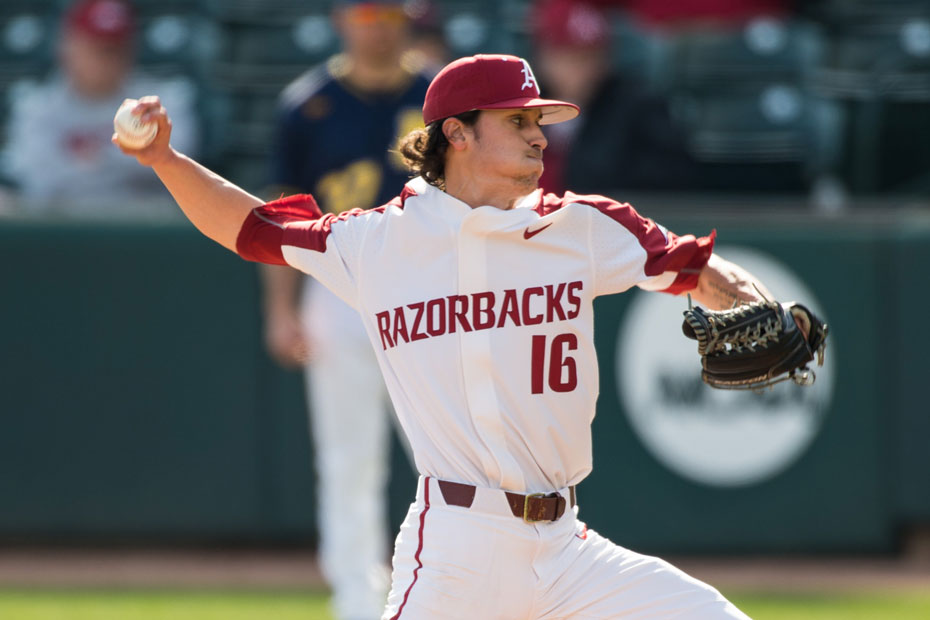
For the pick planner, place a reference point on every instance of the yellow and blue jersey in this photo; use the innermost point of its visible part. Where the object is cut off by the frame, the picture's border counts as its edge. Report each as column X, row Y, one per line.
column 338, row 143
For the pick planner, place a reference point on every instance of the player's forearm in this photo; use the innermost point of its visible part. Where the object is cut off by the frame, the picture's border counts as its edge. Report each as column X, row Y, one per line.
column 214, row 205
column 723, row 284
column 280, row 286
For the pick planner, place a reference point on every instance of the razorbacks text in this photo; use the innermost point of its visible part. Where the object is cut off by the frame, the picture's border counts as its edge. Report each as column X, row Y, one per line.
column 477, row 311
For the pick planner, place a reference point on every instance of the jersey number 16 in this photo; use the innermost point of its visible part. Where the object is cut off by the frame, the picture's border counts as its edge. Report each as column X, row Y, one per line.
column 562, row 372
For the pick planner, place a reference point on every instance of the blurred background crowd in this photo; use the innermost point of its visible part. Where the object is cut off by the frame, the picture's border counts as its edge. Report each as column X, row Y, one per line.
column 824, row 100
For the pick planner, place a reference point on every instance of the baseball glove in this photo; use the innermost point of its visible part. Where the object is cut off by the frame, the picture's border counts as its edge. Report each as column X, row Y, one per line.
column 756, row 345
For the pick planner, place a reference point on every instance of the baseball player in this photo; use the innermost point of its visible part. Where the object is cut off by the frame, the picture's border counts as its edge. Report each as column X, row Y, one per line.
column 336, row 126
column 476, row 293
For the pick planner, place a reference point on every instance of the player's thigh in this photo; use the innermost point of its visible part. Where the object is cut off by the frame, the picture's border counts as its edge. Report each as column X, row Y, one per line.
column 348, row 411
column 452, row 563
column 603, row 580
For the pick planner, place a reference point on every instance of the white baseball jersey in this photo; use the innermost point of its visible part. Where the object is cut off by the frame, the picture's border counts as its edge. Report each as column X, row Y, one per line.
column 482, row 318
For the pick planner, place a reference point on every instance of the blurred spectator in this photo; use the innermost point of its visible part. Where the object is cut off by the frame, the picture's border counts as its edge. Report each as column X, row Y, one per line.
column 337, row 127
column 428, row 39
column 624, row 138
column 59, row 152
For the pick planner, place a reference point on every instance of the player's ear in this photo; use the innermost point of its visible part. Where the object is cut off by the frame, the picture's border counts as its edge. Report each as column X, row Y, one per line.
column 454, row 130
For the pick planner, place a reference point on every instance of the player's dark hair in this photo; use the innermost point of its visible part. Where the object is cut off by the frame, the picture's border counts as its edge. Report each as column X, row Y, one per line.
column 424, row 150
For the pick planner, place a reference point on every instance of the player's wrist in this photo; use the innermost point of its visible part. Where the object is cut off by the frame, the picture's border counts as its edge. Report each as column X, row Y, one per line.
column 163, row 160
column 280, row 311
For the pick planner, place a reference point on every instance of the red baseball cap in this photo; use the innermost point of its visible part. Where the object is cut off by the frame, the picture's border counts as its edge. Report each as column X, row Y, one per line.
column 110, row 20
column 490, row 82
column 571, row 23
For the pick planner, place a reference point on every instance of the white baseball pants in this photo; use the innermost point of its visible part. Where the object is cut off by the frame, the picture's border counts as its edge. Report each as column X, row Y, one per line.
column 349, row 420
column 482, row 562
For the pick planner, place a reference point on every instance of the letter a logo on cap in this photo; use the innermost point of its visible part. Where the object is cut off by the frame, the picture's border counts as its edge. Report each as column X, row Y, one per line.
column 490, row 82
column 529, row 80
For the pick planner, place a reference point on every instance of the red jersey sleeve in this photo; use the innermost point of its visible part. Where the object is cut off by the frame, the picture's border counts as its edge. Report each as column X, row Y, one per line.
column 629, row 249
column 278, row 223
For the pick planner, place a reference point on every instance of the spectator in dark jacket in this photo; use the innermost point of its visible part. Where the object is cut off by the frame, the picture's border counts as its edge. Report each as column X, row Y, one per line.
column 625, row 139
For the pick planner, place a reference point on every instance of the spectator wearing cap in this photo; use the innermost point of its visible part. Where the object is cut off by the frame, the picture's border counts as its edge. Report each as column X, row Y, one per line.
column 58, row 152
column 625, row 139
column 428, row 39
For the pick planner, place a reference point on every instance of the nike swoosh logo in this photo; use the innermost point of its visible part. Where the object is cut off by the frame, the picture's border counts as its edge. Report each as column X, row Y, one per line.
column 529, row 235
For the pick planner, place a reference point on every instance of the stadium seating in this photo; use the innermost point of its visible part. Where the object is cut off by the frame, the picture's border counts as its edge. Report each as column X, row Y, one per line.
column 258, row 11
column 744, row 97
column 877, row 69
column 27, row 33
column 841, row 91
column 765, row 50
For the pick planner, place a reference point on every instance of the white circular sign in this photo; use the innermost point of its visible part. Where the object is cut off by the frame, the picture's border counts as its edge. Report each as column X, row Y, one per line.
column 716, row 437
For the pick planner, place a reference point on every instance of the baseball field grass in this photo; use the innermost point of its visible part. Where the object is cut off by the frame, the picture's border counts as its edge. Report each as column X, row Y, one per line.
column 264, row 604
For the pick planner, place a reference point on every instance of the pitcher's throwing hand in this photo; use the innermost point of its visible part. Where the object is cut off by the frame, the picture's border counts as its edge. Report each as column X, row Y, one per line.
column 148, row 109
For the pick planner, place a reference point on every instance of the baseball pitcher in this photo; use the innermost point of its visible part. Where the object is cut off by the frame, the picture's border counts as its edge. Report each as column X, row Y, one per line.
column 476, row 293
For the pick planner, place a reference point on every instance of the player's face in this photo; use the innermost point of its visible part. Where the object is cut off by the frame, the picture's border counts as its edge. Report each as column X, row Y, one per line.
column 508, row 147
column 375, row 33
column 95, row 68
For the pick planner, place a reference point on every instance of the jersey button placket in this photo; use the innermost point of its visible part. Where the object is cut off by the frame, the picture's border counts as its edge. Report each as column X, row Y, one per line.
column 477, row 362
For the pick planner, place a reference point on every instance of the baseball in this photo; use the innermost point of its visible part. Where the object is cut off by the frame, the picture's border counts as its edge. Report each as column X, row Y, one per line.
column 130, row 130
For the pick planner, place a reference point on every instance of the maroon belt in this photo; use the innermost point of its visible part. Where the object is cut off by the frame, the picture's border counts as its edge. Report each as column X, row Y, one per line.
column 531, row 508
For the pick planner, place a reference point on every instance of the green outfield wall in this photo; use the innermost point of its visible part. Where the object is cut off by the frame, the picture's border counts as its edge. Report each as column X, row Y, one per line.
column 137, row 404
